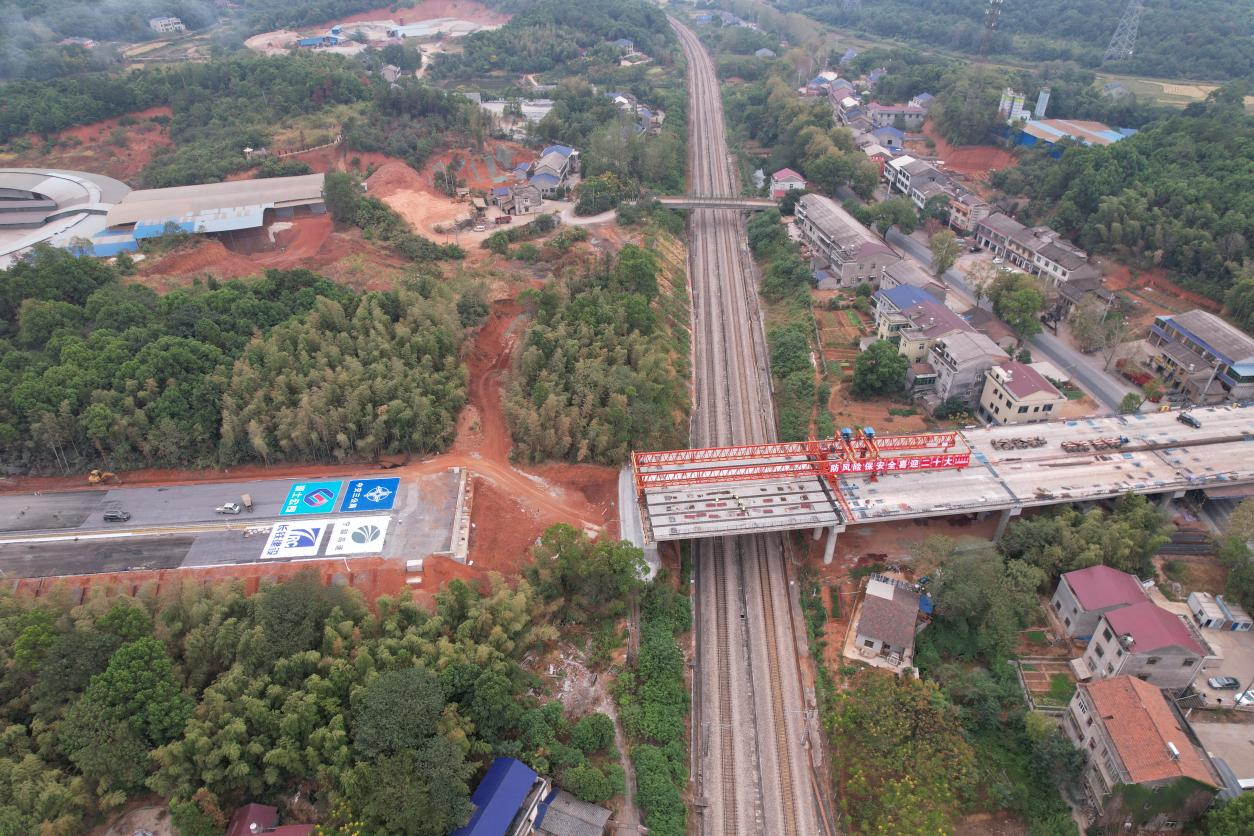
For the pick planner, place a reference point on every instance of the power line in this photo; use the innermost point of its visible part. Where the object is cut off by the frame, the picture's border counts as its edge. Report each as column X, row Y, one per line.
column 1123, row 42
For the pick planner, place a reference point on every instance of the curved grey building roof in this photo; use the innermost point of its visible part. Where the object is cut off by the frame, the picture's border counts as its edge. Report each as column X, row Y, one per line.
column 54, row 206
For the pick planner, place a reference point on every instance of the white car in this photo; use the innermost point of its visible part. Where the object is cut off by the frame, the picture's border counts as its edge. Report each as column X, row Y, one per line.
column 997, row 261
column 1246, row 698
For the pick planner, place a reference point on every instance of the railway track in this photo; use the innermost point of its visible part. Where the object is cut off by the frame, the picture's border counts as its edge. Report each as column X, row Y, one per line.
column 752, row 770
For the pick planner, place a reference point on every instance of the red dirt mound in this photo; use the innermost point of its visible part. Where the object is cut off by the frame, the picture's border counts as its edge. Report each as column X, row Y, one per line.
column 206, row 255
column 393, row 177
column 974, row 160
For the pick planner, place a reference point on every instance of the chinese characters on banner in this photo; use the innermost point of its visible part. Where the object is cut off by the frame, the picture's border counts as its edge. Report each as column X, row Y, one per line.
column 900, row 465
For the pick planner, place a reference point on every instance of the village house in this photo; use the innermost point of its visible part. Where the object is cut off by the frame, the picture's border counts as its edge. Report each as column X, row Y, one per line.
column 987, row 323
column 1145, row 641
column 784, row 181
column 1145, row 771
column 913, row 320
column 1016, row 393
column 907, row 117
column 550, row 172
column 851, row 252
column 907, row 272
column 1084, row 595
column 518, row 199
column 1203, row 356
column 960, row 360
column 966, row 210
column 888, row 620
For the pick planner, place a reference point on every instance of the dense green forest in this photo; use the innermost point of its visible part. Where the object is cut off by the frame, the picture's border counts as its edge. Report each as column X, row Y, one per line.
column 599, row 372
column 1185, row 39
column 1179, row 194
column 93, row 369
column 551, row 34
column 368, row 720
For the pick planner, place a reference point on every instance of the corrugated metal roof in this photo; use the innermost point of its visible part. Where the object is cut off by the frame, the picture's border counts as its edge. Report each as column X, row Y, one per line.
column 181, row 201
column 208, row 220
column 498, row 797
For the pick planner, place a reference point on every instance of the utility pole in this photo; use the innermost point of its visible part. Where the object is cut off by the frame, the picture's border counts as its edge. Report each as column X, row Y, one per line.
column 1123, row 42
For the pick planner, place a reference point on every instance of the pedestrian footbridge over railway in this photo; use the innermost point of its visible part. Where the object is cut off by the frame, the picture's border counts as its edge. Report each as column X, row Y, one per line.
column 860, row 478
column 751, row 204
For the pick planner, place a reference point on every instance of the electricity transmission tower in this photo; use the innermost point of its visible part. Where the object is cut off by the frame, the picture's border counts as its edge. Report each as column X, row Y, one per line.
column 991, row 17
column 1123, row 42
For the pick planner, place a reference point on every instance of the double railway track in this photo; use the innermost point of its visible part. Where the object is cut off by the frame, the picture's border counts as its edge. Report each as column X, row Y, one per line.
column 751, row 761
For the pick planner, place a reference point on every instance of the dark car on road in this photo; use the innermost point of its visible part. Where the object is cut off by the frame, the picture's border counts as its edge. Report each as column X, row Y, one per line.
column 117, row 516
column 1189, row 421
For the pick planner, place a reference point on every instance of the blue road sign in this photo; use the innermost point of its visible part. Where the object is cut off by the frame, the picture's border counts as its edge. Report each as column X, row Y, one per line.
column 370, row 494
column 312, row 497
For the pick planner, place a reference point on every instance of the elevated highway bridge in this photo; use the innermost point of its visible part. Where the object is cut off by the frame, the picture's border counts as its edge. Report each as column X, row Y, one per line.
column 832, row 484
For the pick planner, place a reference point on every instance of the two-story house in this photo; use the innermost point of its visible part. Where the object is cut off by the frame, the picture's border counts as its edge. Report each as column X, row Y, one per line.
column 1084, row 595
column 1203, row 356
column 1016, row 393
column 853, row 254
column 1145, row 641
column 1146, row 772
column 906, row 116
column 966, row 210
column 993, row 232
column 784, row 181
column 907, row 272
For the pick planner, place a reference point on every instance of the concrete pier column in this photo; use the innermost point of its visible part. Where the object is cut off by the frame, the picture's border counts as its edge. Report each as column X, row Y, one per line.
column 1004, row 520
column 818, row 532
column 1164, row 499
column 829, row 548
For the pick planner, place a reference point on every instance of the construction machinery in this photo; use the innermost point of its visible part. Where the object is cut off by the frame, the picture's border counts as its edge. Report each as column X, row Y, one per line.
column 98, row 476
column 1096, row 445
column 1018, row 443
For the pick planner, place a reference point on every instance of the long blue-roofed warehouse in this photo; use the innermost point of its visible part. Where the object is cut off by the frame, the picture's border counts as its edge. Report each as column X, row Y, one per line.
column 207, row 209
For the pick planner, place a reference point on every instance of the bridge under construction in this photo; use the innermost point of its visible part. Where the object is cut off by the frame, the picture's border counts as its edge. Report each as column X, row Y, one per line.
column 860, row 478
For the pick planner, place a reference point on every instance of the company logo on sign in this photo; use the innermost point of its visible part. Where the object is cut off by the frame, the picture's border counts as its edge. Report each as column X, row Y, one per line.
column 377, row 494
column 366, row 534
column 287, row 541
column 311, row 497
column 358, row 535
column 370, row 494
column 318, row 498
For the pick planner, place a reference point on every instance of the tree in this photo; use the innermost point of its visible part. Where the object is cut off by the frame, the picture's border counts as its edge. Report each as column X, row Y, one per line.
column 982, row 601
column 1018, row 301
column 936, row 208
column 1231, row 818
column 1241, row 521
column 419, row 791
column 593, row 733
column 879, row 370
column 1131, row 403
column 342, row 195
column 138, row 687
column 788, row 203
column 944, row 247
column 588, row 783
column 906, row 765
column 896, row 211
column 951, row 407
column 399, row 710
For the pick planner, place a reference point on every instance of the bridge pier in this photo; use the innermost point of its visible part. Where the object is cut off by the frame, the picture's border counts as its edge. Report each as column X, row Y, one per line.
column 1003, row 520
column 1164, row 499
column 829, row 548
column 818, row 532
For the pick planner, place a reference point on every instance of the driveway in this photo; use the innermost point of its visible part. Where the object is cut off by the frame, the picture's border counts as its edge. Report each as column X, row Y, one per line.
column 1086, row 372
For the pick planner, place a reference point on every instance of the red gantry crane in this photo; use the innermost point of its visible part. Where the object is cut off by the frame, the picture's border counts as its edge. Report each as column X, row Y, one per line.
column 852, row 454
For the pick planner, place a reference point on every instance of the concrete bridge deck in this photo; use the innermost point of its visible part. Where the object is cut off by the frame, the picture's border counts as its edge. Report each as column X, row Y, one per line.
column 1162, row 456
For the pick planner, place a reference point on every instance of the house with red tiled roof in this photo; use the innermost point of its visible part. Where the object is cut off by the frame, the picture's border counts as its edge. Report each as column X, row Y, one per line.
column 1146, row 771
column 1147, row 642
column 784, row 181
column 1083, row 595
column 261, row 818
column 1016, row 393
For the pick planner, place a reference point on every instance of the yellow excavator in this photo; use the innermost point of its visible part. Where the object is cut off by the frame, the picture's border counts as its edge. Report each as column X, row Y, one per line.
column 98, row 476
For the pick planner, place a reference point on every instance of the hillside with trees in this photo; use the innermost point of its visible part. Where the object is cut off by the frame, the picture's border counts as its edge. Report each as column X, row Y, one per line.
column 1177, row 195
column 600, row 371
column 550, row 34
column 97, row 370
column 364, row 719
column 1185, row 39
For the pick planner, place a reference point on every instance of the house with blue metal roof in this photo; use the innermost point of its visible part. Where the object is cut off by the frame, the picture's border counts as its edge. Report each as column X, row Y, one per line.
column 506, row 802
column 889, row 137
column 1052, row 131
column 1201, row 355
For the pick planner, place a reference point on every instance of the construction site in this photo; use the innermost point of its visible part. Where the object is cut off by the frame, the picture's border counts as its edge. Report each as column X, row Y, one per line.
column 861, row 478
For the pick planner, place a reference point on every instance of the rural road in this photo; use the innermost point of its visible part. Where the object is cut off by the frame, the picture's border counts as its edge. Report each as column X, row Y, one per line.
column 1086, row 372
